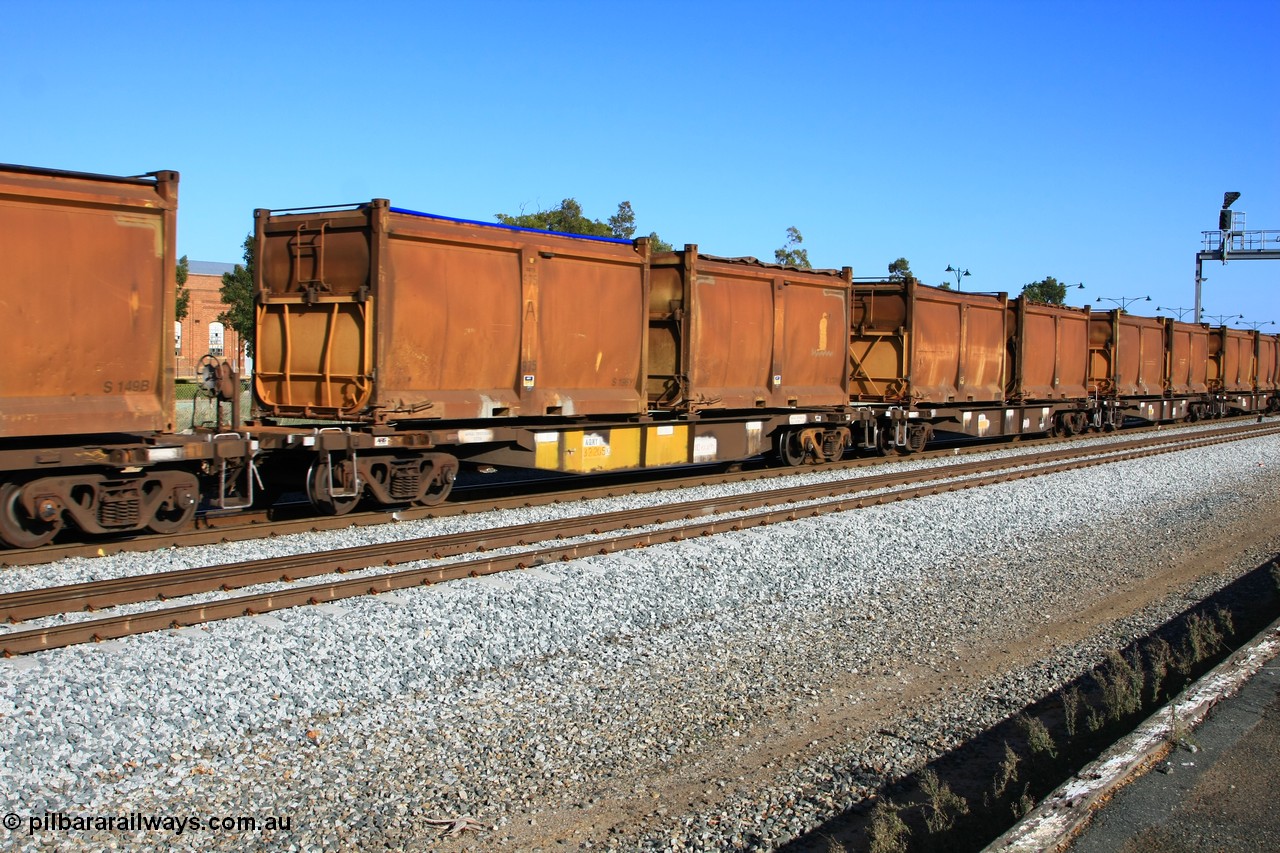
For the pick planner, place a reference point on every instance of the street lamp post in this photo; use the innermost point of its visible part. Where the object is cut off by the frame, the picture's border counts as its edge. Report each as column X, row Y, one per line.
column 1221, row 319
column 958, row 273
column 1123, row 301
column 1248, row 324
column 1182, row 312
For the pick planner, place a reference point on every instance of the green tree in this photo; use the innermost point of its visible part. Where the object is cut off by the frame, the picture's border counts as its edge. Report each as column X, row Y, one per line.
column 567, row 219
column 900, row 270
column 183, row 303
column 237, row 292
column 657, row 244
column 791, row 255
column 623, row 223
column 1048, row 290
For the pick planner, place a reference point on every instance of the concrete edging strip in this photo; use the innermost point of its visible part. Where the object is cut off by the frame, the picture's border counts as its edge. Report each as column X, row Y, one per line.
column 1053, row 823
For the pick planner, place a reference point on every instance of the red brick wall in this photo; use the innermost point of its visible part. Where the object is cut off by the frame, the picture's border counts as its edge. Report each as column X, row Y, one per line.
column 203, row 309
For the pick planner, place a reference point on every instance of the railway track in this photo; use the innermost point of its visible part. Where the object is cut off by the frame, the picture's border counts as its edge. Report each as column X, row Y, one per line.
column 608, row 532
column 287, row 520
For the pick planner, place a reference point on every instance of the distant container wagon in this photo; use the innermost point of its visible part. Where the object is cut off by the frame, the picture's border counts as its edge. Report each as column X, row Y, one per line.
column 928, row 346
column 1048, row 351
column 1127, row 357
column 390, row 316
column 1232, row 353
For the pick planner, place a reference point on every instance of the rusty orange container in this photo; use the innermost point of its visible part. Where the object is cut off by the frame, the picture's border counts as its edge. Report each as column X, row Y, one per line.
column 1268, row 361
column 1232, row 354
column 734, row 333
column 380, row 314
column 1127, row 354
column 922, row 345
column 86, row 302
column 1188, row 346
column 1049, row 347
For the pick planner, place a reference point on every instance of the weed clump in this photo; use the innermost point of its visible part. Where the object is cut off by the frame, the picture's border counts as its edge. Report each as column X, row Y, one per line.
column 888, row 833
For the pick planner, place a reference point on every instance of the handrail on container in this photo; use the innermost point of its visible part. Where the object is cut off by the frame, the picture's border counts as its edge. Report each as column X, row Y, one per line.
column 349, row 206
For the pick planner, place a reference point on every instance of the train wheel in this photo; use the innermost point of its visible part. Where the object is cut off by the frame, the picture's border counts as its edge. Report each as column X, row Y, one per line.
column 320, row 487
column 435, row 487
column 17, row 528
column 178, row 508
column 171, row 519
column 790, row 451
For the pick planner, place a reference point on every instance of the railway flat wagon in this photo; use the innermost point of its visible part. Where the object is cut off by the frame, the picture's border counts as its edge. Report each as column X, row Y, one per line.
column 1241, row 369
column 1127, row 354
column 1049, row 360
column 936, row 358
column 734, row 335
column 928, row 346
column 87, row 296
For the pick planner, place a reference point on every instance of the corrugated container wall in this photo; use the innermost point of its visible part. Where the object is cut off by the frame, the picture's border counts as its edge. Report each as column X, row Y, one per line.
column 927, row 346
column 1127, row 354
column 1049, row 351
column 390, row 315
column 1232, row 352
column 87, row 295
column 734, row 334
column 1268, row 362
column 1188, row 345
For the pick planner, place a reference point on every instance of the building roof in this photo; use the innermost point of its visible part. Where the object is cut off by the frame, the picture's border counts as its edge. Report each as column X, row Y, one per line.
column 209, row 267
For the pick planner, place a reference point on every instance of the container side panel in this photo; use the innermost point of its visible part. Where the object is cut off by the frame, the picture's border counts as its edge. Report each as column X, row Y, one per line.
column 1039, row 356
column 1073, row 357
column 1267, row 357
column 984, row 357
column 935, row 352
column 1153, row 359
column 591, row 327
column 814, row 367
column 1238, row 360
column 1129, row 361
column 86, row 320
column 731, row 334
column 452, row 324
column 1188, row 359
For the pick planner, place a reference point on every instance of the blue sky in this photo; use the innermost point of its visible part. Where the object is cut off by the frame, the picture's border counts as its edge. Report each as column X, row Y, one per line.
column 1088, row 141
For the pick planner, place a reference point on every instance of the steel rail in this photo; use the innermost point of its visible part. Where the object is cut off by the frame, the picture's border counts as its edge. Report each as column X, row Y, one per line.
column 22, row 642
column 258, row 524
column 97, row 595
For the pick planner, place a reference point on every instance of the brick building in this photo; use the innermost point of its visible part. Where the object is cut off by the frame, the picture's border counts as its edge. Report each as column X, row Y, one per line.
column 201, row 333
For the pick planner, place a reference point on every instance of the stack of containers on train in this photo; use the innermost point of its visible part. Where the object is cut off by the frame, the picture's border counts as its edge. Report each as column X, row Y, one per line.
column 736, row 335
column 87, row 385
column 972, row 363
column 444, row 339
column 1128, row 369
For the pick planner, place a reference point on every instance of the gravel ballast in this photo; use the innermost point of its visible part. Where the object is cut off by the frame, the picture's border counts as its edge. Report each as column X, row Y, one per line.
column 586, row 688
